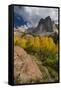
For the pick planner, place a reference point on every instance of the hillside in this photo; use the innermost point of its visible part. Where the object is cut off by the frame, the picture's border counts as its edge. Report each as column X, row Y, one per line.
column 25, row 69
column 36, row 53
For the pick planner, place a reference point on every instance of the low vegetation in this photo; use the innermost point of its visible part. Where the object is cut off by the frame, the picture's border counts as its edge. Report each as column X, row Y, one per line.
column 45, row 50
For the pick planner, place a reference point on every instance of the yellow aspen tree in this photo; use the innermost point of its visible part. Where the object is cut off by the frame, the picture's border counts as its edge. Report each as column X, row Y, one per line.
column 36, row 45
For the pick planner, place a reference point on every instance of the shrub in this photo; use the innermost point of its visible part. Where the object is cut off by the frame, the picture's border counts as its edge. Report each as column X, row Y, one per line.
column 20, row 42
column 16, row 40
column 37, row 44
column 47, row 43
column 53, row 73
column 51, row 61
column 23, row 43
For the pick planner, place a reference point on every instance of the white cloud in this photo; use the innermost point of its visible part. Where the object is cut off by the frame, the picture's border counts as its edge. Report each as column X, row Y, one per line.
column 34, row 14
column 24, row 26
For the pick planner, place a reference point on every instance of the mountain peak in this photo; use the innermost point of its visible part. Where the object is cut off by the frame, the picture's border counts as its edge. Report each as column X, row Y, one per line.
column 46, row 24
column 48, row 17
column 41, row 21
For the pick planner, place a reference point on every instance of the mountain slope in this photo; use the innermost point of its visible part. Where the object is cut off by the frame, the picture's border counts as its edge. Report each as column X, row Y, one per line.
column 44, row 27
column 25, row 69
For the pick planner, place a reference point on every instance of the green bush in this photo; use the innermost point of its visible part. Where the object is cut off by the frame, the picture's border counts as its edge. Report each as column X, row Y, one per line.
column 53, row 73
column 51, row 61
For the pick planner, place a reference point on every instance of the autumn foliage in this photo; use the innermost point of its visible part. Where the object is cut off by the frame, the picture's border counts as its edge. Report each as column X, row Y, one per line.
column 36, row 43
column 44, row 49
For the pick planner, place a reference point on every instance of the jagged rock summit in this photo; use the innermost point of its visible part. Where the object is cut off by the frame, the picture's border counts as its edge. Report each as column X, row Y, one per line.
column 44, row 25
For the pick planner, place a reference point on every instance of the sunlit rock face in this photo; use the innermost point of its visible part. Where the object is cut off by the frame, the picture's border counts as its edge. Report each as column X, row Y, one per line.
column 25, row 69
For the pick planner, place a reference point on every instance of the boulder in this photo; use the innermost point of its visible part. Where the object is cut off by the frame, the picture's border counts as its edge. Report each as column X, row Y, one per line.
column 25, row 69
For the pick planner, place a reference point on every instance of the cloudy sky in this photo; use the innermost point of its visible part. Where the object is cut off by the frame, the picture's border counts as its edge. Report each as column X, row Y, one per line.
column 30, row 16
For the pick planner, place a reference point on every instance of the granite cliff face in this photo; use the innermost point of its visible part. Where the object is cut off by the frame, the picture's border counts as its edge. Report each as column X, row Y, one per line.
column 44, row 27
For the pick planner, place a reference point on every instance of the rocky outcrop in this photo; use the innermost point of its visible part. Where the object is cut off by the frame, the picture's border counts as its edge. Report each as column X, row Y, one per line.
column 44, row 25
column 25, row 69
